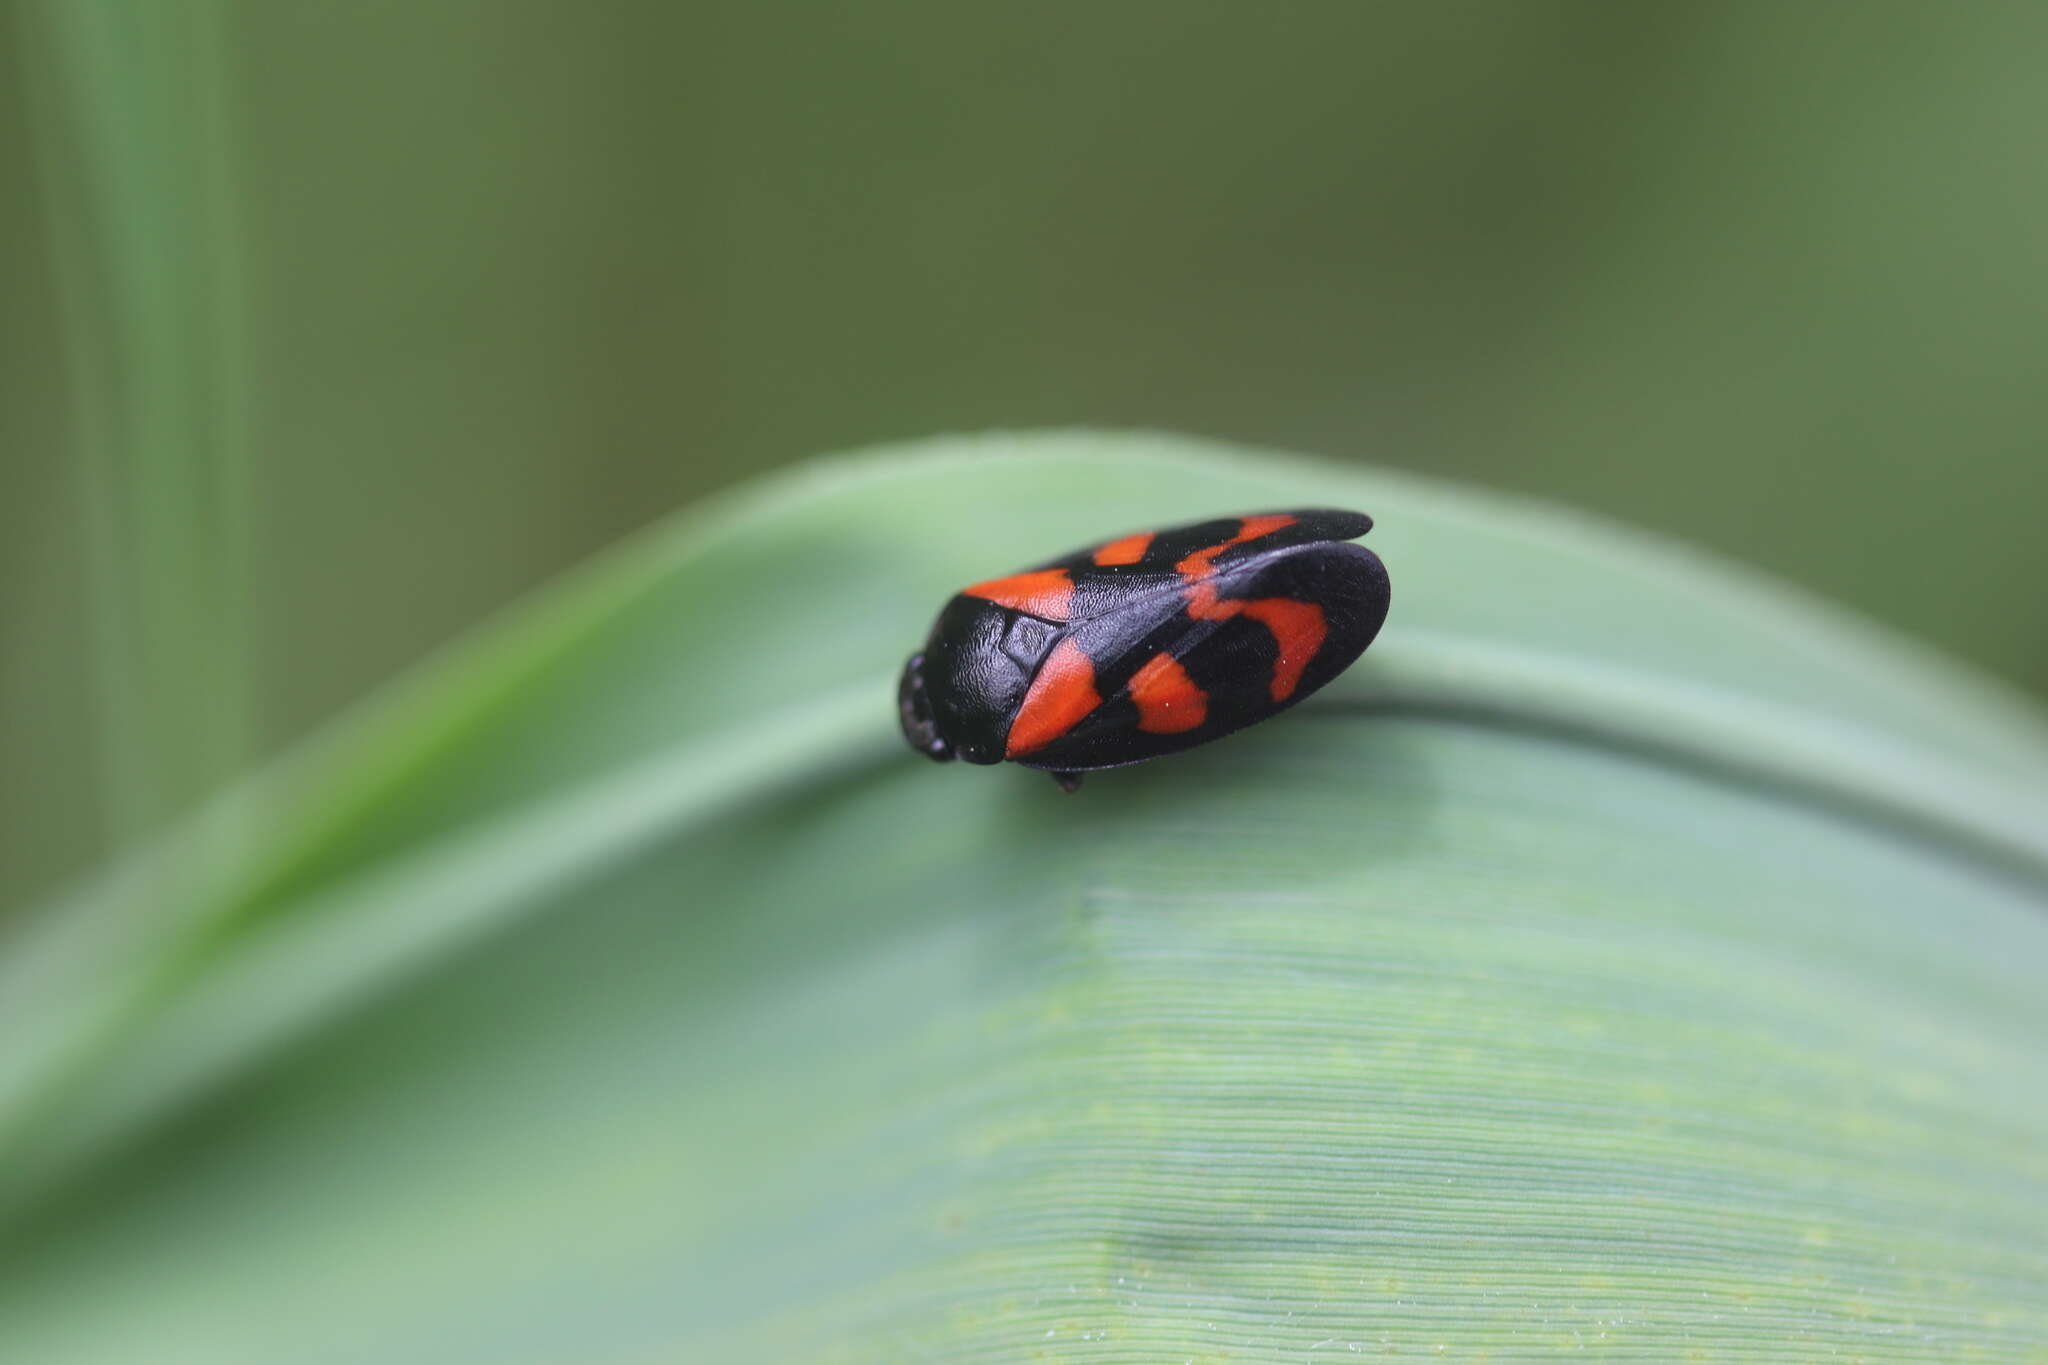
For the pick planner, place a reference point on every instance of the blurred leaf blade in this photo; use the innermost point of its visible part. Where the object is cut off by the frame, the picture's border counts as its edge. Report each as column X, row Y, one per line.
column 138, row 187
column 1377, row 1028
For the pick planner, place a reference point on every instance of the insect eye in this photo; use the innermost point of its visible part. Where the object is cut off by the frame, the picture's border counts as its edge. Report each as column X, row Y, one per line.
column 913, row 708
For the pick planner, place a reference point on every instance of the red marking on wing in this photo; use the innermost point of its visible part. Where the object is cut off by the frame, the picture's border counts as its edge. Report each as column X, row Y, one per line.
column 1168, row 699
column 1044, row 592
column 1298, row 629
column 1203, row 606
column 1061, row 694
column 1202, row 562
column 1129, row 550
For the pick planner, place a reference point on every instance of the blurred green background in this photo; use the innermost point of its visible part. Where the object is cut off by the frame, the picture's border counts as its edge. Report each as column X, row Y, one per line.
column 434, row 299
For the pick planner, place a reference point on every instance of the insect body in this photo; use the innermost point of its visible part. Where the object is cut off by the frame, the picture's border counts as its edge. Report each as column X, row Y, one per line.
column 1145, row 645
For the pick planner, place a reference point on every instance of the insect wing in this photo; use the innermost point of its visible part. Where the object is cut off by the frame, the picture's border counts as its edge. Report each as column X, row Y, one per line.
column 1116, row 575
column 1162, row 552
column 1235, row 646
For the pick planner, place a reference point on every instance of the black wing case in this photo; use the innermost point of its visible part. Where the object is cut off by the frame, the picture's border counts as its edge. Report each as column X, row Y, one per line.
column 1247, row 642
column 1115, row 573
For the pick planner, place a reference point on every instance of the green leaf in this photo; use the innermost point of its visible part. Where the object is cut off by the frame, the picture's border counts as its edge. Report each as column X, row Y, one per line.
column 1624, row 956
column 137, row 183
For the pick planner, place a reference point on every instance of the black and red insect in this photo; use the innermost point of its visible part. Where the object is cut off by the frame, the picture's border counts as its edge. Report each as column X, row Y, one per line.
column 1146, row 645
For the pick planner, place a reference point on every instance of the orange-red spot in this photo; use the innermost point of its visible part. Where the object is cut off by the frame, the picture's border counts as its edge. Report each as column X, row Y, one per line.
column 1061, row 694
column 1044, row 592
column 1299, row 631
column 1202, row 562
column 1129, row 550
column 1168, row 699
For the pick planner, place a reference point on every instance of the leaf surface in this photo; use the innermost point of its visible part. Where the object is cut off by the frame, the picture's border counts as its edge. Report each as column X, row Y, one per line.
column 1625, row 956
